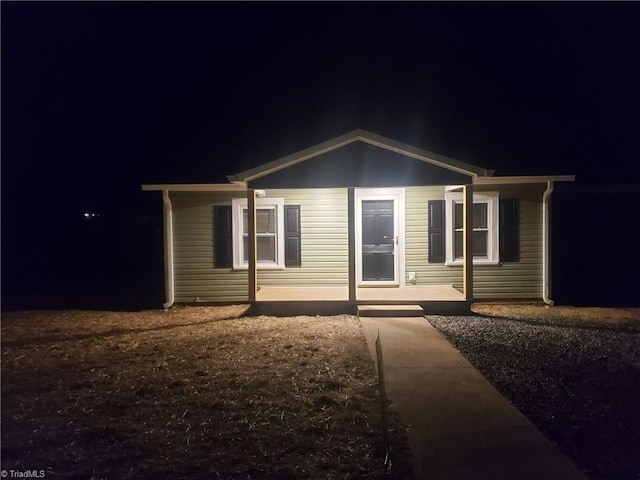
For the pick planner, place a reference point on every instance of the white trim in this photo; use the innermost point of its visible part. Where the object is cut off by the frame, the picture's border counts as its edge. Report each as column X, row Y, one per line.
column 238, row 205
column 522, row 179
column 397, row 195
column 197, row 187
column 167, row 209
column 491, row 199
column 546, row 248
column 289, row 161
column 424, row 156
column 366, row 137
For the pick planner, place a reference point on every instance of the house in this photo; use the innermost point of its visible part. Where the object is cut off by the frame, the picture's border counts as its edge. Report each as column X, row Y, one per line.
column 359, row 219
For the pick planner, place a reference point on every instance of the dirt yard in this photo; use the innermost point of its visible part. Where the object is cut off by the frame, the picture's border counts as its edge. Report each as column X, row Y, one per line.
column 203, row 392
column 191, row 393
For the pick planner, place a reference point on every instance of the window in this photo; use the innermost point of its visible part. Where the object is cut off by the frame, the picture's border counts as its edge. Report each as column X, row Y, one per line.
column 485, row 227
column 269, row 233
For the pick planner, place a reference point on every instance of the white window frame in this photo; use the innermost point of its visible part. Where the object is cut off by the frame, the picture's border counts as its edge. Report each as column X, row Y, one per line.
column 492, row 201
column 240, row 204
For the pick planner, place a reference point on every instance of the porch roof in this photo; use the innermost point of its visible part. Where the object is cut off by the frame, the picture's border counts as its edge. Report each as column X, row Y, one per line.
column 196, row 187
column 520, row 180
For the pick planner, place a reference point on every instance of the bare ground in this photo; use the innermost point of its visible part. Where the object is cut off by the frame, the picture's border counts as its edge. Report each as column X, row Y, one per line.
column 201, row 392
column 196, row 392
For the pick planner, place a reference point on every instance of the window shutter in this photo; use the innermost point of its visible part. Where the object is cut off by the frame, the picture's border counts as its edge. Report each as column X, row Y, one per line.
column 508, row 230
column 436, row 231
column 292, row 251
column 223, row 237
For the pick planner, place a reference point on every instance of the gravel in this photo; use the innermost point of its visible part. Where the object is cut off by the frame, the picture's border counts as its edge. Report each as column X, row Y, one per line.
column 580, row 386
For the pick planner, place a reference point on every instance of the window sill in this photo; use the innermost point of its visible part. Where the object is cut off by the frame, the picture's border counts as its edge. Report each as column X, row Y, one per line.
column 459, row 263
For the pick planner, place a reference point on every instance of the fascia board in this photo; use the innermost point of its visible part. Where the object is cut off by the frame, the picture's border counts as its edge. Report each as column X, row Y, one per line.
column 294, row 158
column 196, row 187
column 366, row 137
column 518, row 180
column 423, row 155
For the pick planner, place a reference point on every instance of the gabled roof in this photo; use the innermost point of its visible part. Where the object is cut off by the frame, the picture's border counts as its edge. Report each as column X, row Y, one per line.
column 366, row 137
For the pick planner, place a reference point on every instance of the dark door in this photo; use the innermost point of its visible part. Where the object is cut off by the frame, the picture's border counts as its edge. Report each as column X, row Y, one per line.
column 377, row 240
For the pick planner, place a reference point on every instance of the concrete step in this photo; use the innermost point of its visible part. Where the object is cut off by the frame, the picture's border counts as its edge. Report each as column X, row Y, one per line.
column 390, row 311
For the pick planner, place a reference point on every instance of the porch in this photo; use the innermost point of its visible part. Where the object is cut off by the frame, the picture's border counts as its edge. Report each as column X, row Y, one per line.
column 335, row 299
column 412, row 294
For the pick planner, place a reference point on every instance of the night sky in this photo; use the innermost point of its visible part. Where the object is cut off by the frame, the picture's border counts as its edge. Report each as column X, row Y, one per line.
column 99, row 98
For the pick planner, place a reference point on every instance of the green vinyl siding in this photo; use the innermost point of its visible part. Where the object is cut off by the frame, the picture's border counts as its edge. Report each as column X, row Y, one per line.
column 196, row 278
column 324, row 239
column 323, row 220
column 522, row 279
column 417, row 240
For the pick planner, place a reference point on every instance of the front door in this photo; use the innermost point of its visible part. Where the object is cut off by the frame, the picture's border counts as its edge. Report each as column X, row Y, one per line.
column 378, row 241
column 379, row 236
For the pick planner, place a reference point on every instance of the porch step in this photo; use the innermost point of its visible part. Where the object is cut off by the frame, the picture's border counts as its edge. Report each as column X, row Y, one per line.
column 390, row 311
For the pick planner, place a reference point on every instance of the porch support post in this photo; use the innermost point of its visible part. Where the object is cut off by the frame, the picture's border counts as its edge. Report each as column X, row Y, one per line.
column 467, row 249
column 351, row 221
column 251, row 253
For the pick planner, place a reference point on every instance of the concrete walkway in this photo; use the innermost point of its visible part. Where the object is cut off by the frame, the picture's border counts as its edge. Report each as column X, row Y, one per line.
column 459, row 425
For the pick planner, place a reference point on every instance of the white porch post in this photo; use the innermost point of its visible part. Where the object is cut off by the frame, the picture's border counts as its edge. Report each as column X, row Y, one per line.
column 467, row 248
column 546, row 244
column 351, row 242
column 251, row 253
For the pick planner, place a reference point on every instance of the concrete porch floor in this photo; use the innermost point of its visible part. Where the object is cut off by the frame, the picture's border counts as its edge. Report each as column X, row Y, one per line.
column 333, row 300
column 416, row 294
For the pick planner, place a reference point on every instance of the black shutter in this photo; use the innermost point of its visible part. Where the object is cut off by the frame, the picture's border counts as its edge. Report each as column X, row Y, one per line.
column 223, row 237
column 508, row 230
column 292, row 252
column 436, row 231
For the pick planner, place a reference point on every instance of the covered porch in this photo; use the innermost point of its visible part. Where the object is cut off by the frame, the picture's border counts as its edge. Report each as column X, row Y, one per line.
column 354, row 292
column 440, row 299
column 413, row 294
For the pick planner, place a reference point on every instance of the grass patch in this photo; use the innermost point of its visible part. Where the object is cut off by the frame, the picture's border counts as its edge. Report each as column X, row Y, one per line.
column 195, row 392
column 625, row 318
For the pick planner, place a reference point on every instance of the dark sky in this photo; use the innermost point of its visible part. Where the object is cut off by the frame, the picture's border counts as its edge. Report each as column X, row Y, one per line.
column 98, row 98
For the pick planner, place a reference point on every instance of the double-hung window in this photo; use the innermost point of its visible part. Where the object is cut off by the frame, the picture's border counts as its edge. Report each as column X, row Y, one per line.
column 269, row 233
column 485, row 228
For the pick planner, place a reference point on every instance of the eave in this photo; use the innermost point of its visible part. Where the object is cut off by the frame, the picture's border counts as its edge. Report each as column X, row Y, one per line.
column 196, row 187
column 519, row 180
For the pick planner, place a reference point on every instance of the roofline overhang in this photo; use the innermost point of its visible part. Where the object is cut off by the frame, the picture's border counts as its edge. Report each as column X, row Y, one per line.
column 519, row 180
column 238, row 186
column 366, row 137
column 197, row 187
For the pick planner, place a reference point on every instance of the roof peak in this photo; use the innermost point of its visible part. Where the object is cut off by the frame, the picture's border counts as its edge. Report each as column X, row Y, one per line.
column 360, row 135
